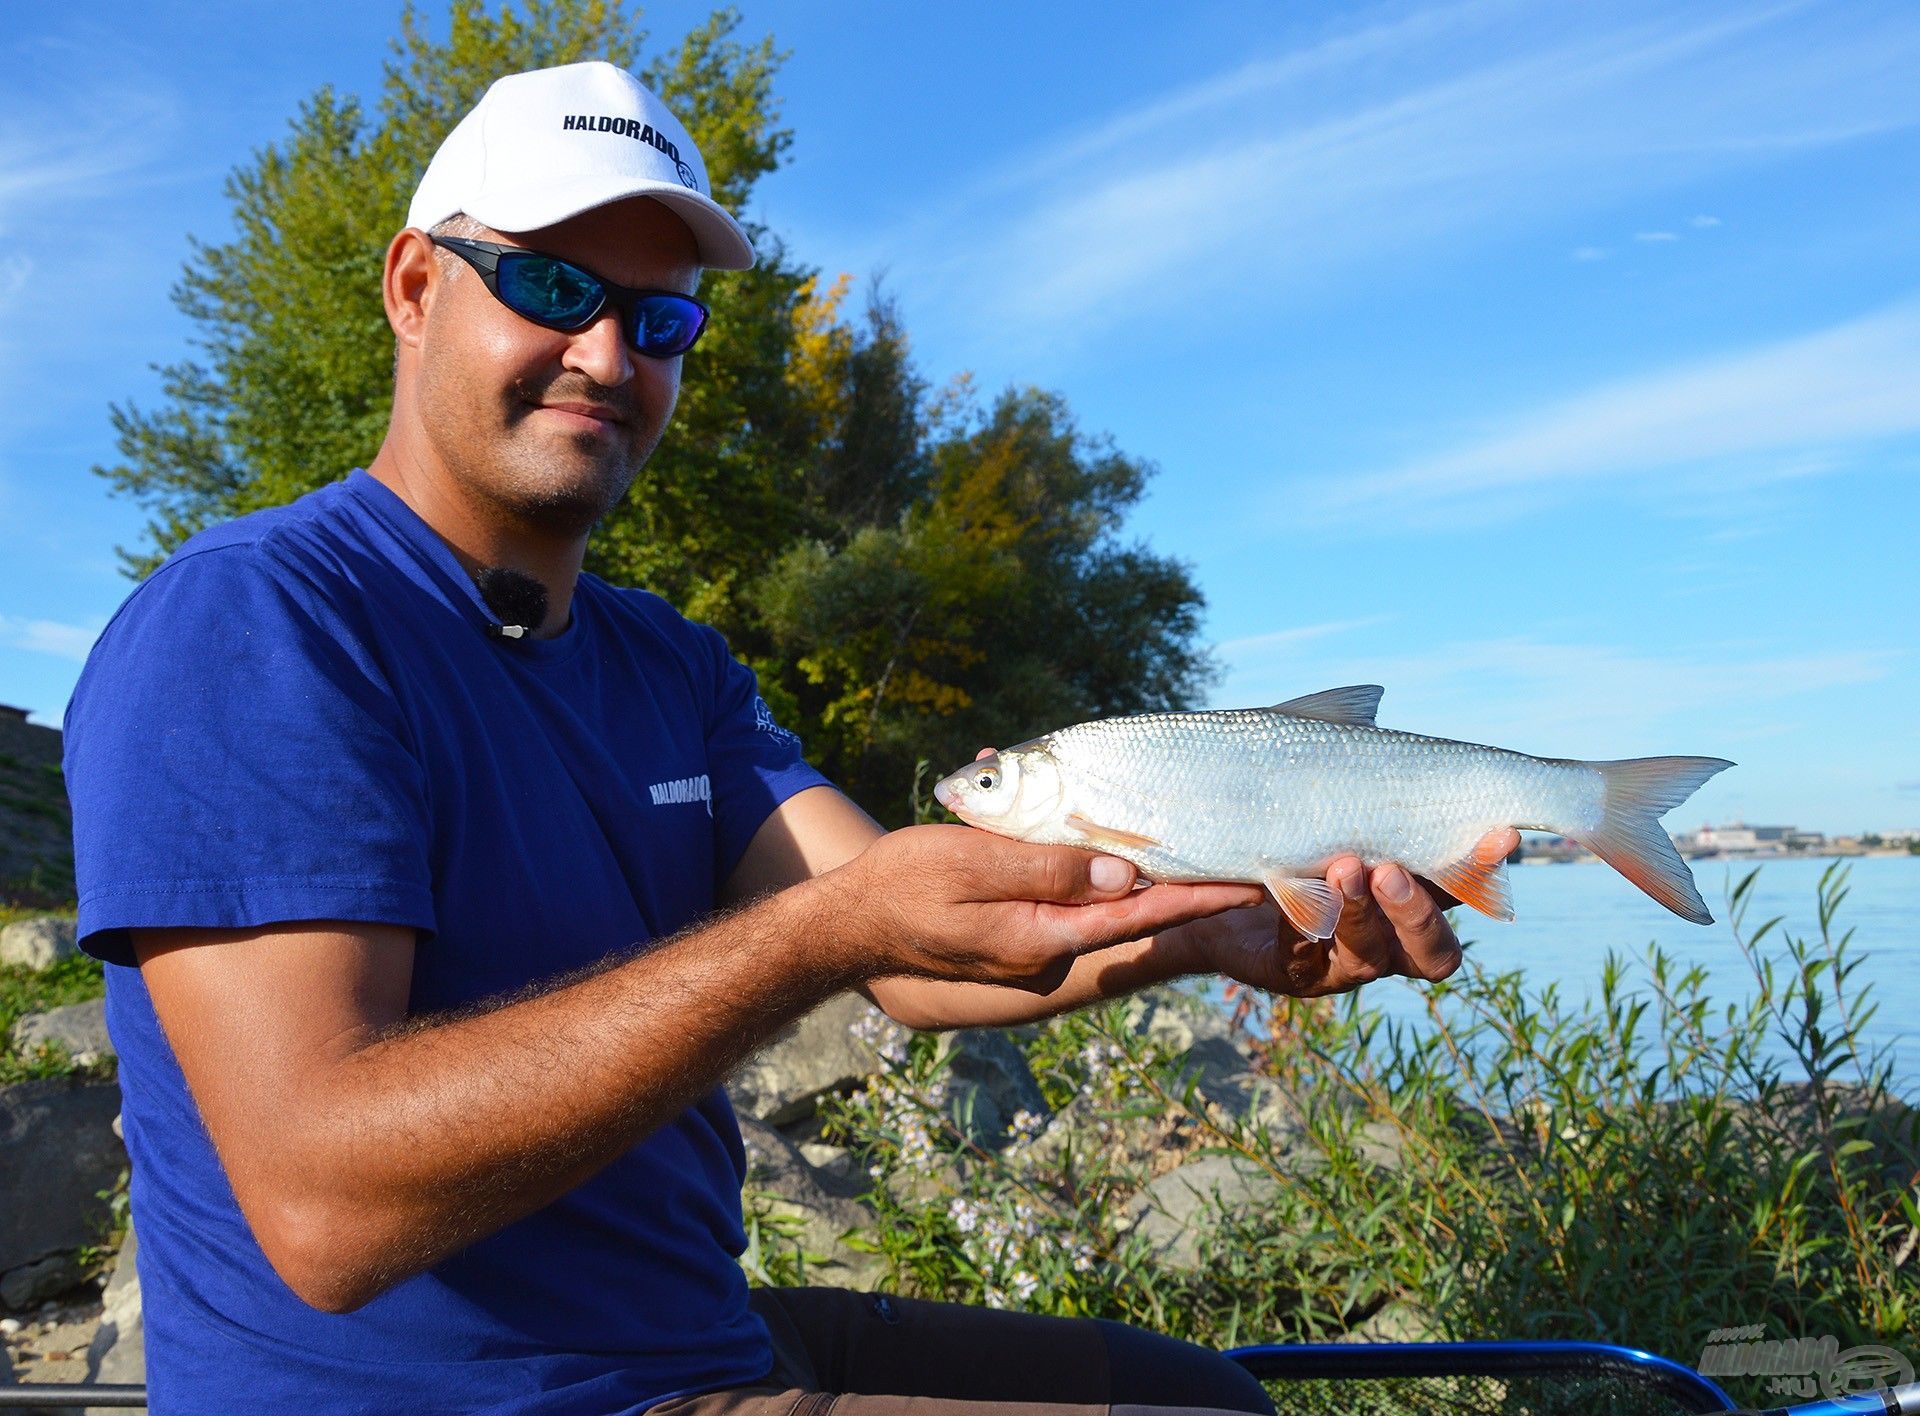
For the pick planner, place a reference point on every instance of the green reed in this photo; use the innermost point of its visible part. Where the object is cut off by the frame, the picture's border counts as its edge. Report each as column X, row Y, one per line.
column 1641, row 1166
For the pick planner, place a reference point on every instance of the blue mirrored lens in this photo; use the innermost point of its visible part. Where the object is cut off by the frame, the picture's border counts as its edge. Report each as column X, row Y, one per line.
column 548, row 290
column 665, row 325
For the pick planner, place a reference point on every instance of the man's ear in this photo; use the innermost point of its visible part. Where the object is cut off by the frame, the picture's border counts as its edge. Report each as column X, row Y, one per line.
column 408, row 285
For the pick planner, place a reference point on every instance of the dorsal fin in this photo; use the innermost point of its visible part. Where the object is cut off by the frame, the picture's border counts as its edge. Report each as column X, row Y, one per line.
column 1357, row 703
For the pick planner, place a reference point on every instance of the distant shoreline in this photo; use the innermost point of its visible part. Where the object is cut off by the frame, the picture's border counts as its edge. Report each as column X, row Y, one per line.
column 1588, row 858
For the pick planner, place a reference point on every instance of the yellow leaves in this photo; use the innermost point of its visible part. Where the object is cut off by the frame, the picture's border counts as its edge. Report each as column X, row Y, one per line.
column 926, row 692
column 977, row 491
column 822, row 349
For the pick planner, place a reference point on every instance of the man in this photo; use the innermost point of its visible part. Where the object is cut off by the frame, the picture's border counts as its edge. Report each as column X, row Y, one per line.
column 376, row 798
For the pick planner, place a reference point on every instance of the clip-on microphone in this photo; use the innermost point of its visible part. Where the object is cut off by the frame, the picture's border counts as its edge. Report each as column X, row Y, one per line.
column 516, row 597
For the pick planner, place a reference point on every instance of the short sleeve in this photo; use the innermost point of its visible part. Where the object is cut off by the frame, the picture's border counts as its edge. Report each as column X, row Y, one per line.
column 235, row 757
column 754, row 763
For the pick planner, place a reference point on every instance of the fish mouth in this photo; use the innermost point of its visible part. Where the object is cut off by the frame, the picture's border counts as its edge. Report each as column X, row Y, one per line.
column 944, row 793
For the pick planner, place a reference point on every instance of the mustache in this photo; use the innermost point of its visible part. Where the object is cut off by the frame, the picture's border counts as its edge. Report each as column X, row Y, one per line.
column 617, row 402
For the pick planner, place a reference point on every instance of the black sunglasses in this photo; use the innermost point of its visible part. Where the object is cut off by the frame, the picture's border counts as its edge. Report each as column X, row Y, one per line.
column 560, row 295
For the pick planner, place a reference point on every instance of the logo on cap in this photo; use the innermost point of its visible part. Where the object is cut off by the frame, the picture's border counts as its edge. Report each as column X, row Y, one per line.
column 638, row 131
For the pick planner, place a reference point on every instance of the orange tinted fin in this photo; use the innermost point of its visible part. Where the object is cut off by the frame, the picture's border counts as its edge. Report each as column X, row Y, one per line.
column 1475, row 882
column 1630, row 837
column 1311, row 906
column 1110, row 835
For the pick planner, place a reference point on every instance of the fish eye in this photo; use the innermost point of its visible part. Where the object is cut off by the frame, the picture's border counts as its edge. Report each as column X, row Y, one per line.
column 987, row 780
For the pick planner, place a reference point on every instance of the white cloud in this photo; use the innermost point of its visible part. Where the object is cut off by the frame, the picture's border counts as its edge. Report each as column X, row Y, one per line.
column 38, row 636
column 1589, row 253
column 1278, row 642
column 1794, row 408
column 66, row 133
column 1655, row 236
column 1704, row 221
column 1479, row 118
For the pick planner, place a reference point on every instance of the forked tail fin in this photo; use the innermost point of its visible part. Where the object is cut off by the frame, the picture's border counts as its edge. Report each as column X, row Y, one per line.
column 1630, row 837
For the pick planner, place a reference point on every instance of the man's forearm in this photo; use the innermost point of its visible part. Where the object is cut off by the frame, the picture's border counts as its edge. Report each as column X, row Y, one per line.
column 415, row 1143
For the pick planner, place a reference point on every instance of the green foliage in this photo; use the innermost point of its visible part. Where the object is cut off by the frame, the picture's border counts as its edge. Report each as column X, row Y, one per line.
column 1642, row 1168
column 776, row 1255
column 1001, row 602
column 111, row 1224
column 24, row 991
column 911, row 576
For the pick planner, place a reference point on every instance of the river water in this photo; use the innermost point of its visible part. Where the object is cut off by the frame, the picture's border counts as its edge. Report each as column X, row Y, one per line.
column 1570, row 915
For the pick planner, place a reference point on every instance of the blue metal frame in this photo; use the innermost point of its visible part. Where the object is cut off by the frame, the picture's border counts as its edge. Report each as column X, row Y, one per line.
column 1294, row 1360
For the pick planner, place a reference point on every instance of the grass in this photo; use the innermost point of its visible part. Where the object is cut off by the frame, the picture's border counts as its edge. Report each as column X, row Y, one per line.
column 24, row 991
column 1643, row 1167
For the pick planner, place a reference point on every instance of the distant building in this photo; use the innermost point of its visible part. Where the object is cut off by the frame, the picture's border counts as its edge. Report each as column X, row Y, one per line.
column 1538, row 846
column 1738, row 838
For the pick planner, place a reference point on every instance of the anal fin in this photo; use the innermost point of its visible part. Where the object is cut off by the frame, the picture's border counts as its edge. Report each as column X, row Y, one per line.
column 1311, row 906
column 1110, row 835
column 1482, row 884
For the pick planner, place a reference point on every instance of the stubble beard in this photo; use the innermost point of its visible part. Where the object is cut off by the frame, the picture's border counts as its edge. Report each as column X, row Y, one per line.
column 558, row 485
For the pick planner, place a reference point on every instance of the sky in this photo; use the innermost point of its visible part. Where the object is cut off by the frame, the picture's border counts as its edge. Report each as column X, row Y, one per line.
column 1557, row 367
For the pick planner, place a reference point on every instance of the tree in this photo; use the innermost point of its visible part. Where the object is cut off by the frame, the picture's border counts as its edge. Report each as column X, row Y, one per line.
column 294, row 381
column 1000, row 603
column 910, row 576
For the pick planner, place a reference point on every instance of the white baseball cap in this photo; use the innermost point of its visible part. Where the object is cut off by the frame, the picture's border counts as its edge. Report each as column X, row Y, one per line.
column 548, row 144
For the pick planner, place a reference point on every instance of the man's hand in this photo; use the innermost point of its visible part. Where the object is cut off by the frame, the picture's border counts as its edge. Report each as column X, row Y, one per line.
column 1391, row 923
column 948, row 902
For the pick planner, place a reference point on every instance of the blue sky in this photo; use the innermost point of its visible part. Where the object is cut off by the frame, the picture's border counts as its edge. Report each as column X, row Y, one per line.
column 1556, row 366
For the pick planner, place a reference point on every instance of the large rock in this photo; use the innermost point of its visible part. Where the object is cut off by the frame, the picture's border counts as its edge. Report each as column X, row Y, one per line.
column 27, row 1285
column 1213, row 1054
column 1174, row 1210
column 80, row 1028
column 832, row 1049
column 57, row 1152
column 988, row 1084
column 39, row 942
column 118, row 1352
column 821, row 1200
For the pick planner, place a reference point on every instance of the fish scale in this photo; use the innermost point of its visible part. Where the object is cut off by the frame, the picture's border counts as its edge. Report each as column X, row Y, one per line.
column 1273, row 795
column 1220, row 790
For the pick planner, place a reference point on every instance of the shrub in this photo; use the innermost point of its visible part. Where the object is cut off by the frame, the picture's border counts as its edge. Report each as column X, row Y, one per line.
column 1641, row 1167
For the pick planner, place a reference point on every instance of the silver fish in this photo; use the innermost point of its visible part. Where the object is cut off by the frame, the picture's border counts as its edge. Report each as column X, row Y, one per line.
column 1271, row 795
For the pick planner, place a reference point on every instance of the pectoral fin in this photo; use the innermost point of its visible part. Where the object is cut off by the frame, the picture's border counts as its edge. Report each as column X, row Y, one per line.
column 1476, row 882
column 1109, row 835
column 1311, row 906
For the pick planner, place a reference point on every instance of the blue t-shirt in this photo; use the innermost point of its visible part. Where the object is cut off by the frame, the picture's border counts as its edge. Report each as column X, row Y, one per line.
column 302, row 716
